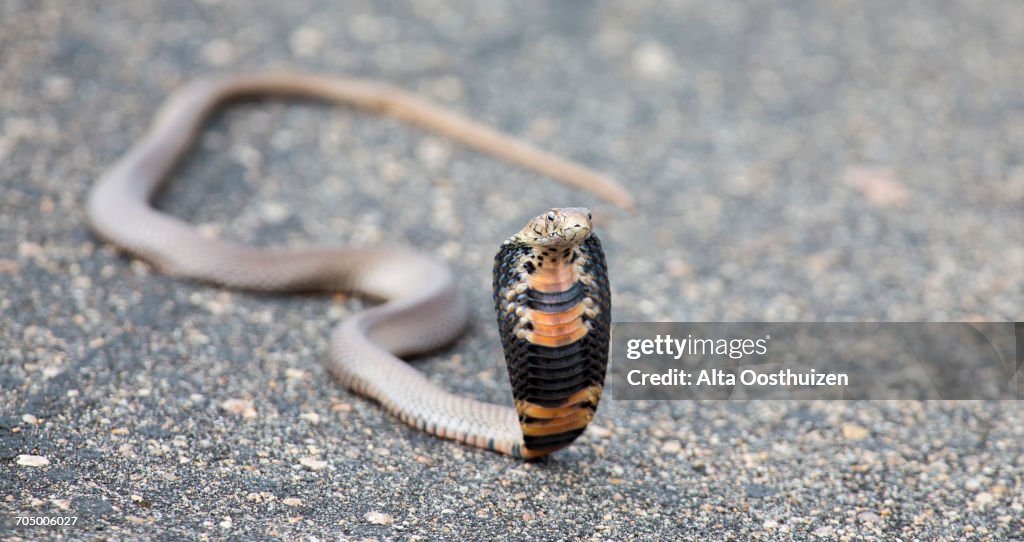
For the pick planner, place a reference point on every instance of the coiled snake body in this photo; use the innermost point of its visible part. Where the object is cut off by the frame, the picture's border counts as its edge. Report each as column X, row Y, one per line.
column 555, row 342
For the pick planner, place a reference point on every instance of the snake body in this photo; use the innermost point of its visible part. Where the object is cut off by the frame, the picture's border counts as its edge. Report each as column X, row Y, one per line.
column 422, row 309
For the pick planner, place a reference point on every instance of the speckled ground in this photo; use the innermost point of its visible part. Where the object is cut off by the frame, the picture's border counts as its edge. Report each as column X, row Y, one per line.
column 792, row 161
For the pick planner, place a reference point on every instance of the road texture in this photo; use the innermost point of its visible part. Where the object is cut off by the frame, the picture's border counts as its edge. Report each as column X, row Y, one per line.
column 792, row 161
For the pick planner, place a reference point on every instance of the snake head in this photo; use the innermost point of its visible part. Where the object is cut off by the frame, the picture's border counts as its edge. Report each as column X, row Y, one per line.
column 560, row 227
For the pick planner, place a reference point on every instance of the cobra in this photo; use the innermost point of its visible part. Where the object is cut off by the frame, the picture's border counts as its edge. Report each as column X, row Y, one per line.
column 422, row 308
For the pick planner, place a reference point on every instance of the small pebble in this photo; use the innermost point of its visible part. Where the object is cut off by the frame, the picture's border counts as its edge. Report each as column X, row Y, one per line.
column 274, row 213
column 32, row 460
column 824, row 532
column 868, row 516
column 878, row 185
column 312, row 463
column 852, row 431
column 239, row 406
column 306, row 41
column 433, row 153
column 379, row 518
column 218, row 52
column 652, row 59
column 58, row 87
column 671, row 447
column 983, row 498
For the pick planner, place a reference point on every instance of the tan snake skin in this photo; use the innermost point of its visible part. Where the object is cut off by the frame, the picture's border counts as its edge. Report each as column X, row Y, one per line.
column 422, row 309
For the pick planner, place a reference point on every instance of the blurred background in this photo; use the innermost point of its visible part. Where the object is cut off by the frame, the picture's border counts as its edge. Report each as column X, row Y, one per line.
column 792, row 161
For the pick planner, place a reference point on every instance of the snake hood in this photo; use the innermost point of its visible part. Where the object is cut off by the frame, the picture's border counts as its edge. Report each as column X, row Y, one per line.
column 556, row 228
column 553, row 305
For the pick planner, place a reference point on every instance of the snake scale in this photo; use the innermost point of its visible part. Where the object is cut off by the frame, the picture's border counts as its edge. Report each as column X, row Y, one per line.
column 551, row 289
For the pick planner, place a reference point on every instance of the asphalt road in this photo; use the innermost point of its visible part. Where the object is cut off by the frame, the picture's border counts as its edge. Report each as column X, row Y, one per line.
column 792, row 161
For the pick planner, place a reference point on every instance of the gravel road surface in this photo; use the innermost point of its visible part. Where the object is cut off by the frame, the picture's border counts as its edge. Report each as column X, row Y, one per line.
column 792, row 161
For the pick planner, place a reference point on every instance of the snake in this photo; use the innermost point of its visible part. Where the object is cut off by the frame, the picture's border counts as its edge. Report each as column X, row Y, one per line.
column 551, row 289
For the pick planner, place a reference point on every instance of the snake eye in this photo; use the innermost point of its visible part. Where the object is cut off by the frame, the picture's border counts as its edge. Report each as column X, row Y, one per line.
column 551, row 216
